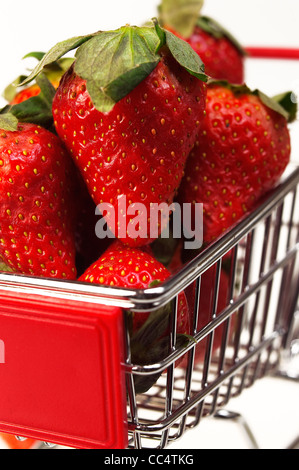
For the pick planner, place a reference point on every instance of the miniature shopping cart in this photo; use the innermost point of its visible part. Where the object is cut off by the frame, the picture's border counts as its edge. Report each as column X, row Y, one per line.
column 66, row 370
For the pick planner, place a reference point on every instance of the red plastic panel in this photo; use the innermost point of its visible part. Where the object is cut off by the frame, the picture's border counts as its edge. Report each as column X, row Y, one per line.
column 62, row 379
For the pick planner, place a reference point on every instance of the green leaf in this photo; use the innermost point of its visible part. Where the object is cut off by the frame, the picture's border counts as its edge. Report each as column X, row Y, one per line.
column 237, row 89
column 272, row 104
column 54, row 71
column 150, row 345
column 160, row 32
column 113, row 63
column 8, row 121
column 186, row 56
column 47, row 89
column 215, row 29
column 154, row 284
column 12, row 89
column 38, row 109
column 288, row 103
column 35, row 55
column 54, row 68
column 55, row 53
column 154, row 328
column 60, row 66
column 5, row 268
column 155, row 355
column 164, row 248
column 180, row 15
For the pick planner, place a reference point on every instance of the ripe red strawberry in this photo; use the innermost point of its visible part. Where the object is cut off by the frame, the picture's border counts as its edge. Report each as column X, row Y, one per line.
column 219, row 50
column 242, row 150
column 25, row 94
column 223, row 59
column 133, row 268
column 29, row 92
column 36, row 214
column 139, row 146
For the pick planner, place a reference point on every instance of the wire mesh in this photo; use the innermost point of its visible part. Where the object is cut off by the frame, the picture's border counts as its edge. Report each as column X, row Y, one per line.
column 245, row 334
column 252, row 298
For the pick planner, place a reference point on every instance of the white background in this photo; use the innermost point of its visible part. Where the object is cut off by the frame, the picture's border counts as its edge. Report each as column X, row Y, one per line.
column 272, row 406
column 34, row 25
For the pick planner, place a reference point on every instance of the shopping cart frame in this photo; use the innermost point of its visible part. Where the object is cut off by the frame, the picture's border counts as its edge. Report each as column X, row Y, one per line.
column 249, row 366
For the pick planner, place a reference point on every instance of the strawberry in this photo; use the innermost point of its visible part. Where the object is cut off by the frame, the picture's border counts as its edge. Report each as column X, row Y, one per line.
column 219, row 50
column 223, row 58
column 33, row 104
column 130, row 121
column 144, row 156
column 133, row 268
column 36, row 214
column 242, row 150
column 26, row 93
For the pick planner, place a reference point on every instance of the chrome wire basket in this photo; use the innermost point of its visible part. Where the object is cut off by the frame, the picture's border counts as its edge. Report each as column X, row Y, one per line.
column 86, row 398
column 256, row 326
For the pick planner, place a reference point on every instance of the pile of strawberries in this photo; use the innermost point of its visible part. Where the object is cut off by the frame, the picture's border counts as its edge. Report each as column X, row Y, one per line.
column 155, row 113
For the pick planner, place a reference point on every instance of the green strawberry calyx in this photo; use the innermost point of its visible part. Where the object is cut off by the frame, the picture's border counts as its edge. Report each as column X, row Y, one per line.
column 180, row 15
column 283, row 103
column 53, row 71
column 113, row 63
column 151, row 344
column 286, row 101
column 36, row 110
